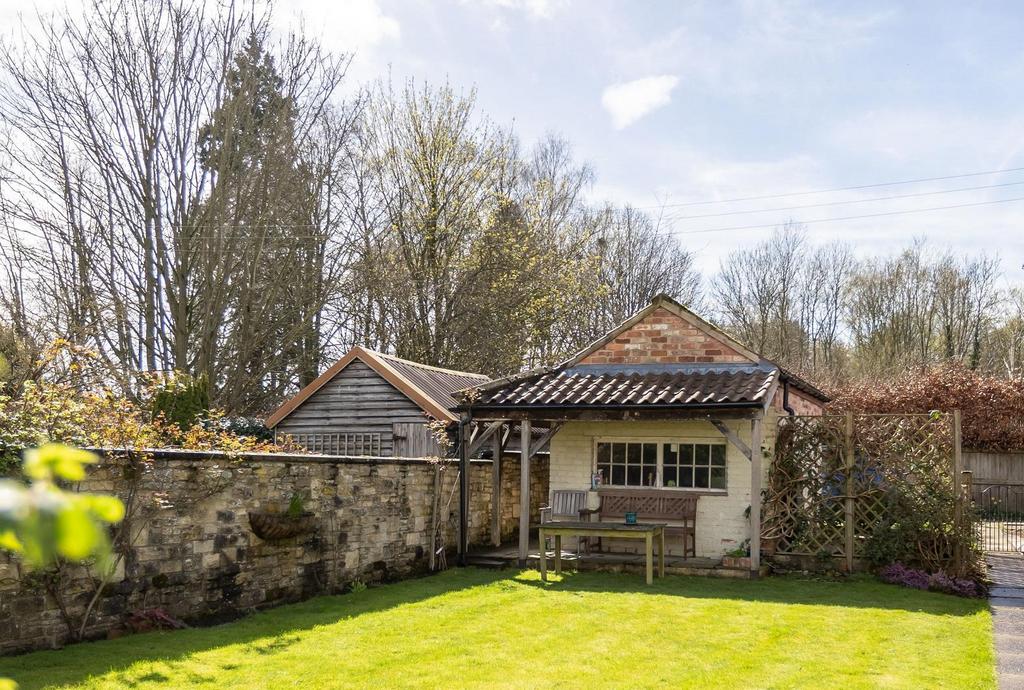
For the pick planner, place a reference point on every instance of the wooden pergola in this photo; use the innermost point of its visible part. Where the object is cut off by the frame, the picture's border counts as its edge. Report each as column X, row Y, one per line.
column 495, row 423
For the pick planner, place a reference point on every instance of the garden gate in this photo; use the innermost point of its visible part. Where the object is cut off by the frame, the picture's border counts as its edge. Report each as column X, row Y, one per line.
column 1000, row 511
column 836, row 480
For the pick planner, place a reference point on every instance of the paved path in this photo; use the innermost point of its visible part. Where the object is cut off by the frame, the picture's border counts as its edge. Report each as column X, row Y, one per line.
column 1007, row 601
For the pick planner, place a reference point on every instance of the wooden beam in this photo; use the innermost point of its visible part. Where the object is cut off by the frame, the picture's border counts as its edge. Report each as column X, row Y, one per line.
column 538, row 446
column 524, row 492
column 756, row 434
column 478, row 440
column 463, row 488
column 849, row 465
column 499, row 449
column 732, row 437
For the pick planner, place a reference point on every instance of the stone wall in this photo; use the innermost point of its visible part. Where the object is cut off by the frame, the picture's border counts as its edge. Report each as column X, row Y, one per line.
column 193, row 554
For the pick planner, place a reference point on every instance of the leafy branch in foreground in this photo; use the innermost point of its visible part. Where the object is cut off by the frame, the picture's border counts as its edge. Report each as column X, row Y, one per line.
column 44, row 523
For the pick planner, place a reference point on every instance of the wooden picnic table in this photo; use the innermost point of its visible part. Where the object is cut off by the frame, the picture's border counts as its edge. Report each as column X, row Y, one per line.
column 613, row 530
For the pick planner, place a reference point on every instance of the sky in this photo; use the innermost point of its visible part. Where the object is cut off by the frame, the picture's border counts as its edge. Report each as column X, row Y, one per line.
column 692, row 102
column 681, row 107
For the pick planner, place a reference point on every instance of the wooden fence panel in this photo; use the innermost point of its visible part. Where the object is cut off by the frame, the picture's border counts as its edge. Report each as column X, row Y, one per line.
column 995, row 468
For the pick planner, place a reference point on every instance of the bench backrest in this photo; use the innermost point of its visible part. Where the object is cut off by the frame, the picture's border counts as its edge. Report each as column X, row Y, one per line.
column 565, row 502
column 648, row 505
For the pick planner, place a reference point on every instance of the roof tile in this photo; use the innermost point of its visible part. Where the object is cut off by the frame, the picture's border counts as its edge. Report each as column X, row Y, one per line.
column 665, row 385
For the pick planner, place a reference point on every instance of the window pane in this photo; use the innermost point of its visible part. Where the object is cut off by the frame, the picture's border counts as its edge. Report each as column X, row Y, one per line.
column 650, row 475
column 700, row 477
column 633, row 453
column 619, row 452
column 633, row 475
column 685, row 453
column 651, row 454
column 670, row 476
column 718, row 455
column 670, row 451
column 619, row 475
column 685, row 477
column 701, row 455
column 604, row 453
column 717, row 477
column 605, row 471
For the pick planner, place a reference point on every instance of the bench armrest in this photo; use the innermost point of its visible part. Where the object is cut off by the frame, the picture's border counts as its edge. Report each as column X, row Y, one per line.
column 545, row 514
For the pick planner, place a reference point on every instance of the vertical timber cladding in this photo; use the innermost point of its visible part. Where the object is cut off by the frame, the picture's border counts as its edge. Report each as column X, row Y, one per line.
column 821, row 502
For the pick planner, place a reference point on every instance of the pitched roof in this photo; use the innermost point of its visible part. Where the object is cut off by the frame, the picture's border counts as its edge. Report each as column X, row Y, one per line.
column 431, row 388
column 571, row 383
column 673, row 385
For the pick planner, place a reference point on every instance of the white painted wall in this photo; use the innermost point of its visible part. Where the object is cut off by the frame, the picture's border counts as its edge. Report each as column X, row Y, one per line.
column 721, row 524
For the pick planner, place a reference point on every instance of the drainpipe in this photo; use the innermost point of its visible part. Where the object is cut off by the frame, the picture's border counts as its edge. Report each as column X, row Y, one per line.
column 785, row 398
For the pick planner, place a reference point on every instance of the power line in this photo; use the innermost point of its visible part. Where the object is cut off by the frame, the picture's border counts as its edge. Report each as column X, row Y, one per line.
column 833, row 220
column 834, row 189
column 849, row 201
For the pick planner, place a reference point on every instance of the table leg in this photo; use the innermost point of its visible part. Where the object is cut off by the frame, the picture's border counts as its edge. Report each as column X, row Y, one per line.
column 558, row 554
column 661, row 553
column 543, row 555
column 648, row 549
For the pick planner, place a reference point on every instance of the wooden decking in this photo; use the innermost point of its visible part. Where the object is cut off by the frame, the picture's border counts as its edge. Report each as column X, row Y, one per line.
column 507, row 556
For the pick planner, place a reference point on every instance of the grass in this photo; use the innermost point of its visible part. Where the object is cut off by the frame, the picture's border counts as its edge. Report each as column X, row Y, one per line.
column 474, row 628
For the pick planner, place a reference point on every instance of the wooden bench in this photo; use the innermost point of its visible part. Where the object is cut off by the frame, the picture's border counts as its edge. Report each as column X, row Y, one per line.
column 654, row 505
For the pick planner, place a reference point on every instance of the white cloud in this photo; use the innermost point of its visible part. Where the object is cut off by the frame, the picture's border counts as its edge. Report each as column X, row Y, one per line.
column 349, row 26
column 629, row 101
column 534, row 9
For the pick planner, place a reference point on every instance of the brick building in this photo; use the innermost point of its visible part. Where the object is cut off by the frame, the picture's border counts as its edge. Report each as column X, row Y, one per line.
column 666, row 403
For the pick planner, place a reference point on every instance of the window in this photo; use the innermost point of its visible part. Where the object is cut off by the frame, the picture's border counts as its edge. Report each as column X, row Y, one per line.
column 694, row 465
column 628, row 463
column 340, row 444
column 669, row 465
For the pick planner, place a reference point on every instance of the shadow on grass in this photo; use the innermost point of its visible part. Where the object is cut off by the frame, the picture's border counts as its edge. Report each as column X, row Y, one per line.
column 261, row 635
column 267, row 633
column 856, row 592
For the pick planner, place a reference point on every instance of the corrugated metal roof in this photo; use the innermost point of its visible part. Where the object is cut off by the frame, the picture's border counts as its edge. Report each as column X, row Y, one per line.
column 437, row 383
column 647, row 385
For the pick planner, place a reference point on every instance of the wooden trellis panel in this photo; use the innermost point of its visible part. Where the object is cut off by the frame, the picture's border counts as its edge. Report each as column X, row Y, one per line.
column 833, row 477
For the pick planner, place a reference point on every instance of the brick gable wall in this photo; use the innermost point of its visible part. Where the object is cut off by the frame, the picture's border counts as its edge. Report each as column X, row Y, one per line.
column 664, row 338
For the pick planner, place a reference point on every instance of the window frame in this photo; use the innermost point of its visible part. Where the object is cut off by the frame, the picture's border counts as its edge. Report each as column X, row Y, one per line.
column 659, row 442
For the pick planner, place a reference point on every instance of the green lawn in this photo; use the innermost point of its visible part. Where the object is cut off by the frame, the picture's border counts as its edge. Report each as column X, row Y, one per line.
column 492, row 629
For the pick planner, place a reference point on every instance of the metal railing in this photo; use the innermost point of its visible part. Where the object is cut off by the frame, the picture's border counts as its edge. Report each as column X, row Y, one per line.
column 1000, row 512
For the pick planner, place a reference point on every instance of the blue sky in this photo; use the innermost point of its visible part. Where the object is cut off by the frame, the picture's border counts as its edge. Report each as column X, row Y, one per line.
column 681, row 102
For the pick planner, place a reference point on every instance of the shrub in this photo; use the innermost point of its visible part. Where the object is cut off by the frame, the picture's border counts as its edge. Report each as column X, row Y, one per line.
column 992, row 408
column 899, row 574
column 181, row 400
column 43, row 412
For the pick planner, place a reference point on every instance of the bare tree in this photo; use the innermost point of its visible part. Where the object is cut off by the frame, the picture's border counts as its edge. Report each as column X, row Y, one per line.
column 107, row 187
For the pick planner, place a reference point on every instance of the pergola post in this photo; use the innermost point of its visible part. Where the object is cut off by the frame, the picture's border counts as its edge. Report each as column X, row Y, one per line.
column 756, row 433
column 499, row 447
column 464, row 423
column 524, row 492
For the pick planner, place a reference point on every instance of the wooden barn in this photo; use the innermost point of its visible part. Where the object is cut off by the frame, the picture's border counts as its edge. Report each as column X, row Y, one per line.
column 372, row 404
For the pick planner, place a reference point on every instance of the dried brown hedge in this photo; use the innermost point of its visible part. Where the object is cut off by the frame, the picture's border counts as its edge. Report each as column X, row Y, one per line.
column 992, row 408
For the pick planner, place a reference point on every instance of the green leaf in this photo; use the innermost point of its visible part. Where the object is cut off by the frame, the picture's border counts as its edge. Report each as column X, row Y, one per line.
column 106, row 508
column 9, row 541
column 77, row 535
column 55, row 459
